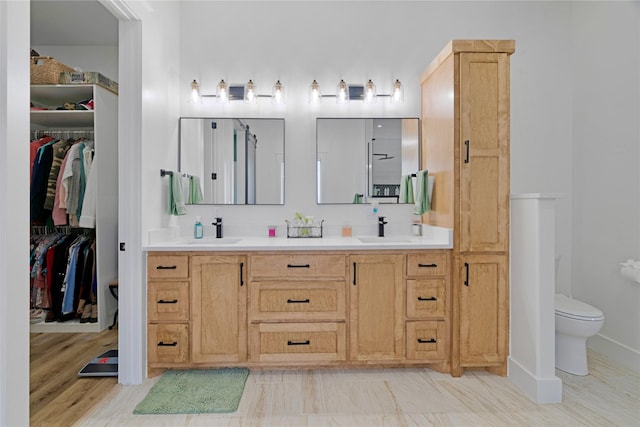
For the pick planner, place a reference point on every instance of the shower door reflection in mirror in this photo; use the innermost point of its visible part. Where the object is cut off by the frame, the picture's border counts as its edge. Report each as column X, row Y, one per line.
column 238, row 161
column 364, row 159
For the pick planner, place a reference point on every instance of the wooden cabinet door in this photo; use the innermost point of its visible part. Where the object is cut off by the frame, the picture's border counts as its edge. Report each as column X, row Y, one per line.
column 484, row 309
column 219, row 309
column 484, row 152
column 376, row 307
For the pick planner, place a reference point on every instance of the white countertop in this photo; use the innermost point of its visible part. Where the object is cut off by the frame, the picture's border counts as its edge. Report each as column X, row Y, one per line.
column 433, row 238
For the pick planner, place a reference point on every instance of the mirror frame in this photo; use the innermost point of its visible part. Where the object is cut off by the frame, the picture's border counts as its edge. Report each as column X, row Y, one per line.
column 420, row 166
column 284, row 181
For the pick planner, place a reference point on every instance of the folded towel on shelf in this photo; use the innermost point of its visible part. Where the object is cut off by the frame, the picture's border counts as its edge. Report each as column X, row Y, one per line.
column 176, row 196
column 406, row 190
column 357, row 199
column 195, row 191
column 422, row 204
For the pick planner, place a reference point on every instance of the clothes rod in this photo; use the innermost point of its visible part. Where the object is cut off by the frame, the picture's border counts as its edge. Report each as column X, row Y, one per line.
column 62, row 133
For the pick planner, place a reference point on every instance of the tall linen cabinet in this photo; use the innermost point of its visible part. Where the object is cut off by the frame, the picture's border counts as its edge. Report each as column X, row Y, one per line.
column 465, row 128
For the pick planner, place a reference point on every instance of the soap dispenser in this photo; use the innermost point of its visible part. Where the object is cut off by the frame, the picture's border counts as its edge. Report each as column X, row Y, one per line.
column 198, row 231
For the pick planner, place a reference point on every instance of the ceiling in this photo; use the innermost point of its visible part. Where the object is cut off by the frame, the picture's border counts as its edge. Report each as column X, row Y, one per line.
column 72, row 23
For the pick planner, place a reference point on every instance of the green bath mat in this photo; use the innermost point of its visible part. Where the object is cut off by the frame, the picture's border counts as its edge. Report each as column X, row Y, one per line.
column 195, row 392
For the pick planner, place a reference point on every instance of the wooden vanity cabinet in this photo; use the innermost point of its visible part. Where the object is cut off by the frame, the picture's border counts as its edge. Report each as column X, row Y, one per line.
column 465, row 130
column 168, row 310
column 376, row 312
column 297, row 308
column 218, row 308
column 427, row 307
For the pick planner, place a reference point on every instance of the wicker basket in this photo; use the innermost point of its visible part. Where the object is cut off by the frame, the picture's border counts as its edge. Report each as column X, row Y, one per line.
column 45, row 70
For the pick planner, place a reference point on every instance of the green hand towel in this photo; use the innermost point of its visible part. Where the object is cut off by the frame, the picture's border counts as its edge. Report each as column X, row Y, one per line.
column 406, row 190
column 357, row 199
column 422, row 193
column 195, row 190
column 176, row 198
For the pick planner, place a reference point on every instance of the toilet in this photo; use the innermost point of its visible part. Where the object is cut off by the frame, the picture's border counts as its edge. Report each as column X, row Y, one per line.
column 575, row 322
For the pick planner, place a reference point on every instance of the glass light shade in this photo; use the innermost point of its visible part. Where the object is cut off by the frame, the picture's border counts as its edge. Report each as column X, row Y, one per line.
column 277, row 94
column 369, row 92
column 342, row 92
column 397, row 92
column 222, row 92
column 314, row 93
column 195, row 92
column 250, row 94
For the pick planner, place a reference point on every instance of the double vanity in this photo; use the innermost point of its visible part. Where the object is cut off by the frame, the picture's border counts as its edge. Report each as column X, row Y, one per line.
column 440, row 300
column 279, row 302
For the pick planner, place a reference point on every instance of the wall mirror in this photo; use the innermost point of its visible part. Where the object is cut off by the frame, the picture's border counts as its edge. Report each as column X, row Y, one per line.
column 361, row 160
column 237, row 161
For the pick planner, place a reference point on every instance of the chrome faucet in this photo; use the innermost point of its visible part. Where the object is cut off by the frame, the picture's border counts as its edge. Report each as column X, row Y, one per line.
column 381, row 223
column 218, row 225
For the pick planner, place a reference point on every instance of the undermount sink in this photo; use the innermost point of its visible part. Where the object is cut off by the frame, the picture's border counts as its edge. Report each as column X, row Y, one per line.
column 385, row 239
column 212, row 241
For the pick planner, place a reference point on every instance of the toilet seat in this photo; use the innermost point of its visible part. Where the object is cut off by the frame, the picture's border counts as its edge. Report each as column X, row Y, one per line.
column 578, row 310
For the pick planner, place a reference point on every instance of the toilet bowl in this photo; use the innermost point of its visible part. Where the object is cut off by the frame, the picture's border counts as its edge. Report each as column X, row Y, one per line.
column 575, row 322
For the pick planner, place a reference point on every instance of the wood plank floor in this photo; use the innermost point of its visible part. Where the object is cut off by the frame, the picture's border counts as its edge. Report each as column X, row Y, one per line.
column 57, row 397
column 610, row 396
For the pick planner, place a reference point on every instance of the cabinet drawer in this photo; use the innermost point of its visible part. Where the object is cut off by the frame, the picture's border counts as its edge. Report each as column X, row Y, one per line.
column 427, row 264
column 298, row 342
column 298, row 266
column 426, row 341
column 426, row 297
column 314, row 300
column 168, row 267
column 168, row 301
column 168, row 343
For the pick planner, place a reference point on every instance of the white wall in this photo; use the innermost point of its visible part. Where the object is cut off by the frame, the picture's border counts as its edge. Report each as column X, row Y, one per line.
column 606, row 171
column 14, row 214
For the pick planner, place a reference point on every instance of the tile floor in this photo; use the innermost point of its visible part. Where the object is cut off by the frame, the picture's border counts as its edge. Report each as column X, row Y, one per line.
column 610, row 396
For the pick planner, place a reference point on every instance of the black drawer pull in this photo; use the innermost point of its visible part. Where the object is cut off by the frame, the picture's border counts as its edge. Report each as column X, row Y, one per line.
column 427, row 299
column 427, row 265
column 166, row 267
column 298, row 266
column 298, row 301
column 167, row 344
column 429, row 341
column 163, row 301
column 307, row 342
column 242, row 274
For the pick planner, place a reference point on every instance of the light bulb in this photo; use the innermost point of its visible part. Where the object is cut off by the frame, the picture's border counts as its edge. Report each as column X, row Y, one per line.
column 314, row 93
column 277, row 95
column 250, row 95
column 195, row 92
column 343, row 92
column 222, row 94
column 369, row 92
column 397, row 94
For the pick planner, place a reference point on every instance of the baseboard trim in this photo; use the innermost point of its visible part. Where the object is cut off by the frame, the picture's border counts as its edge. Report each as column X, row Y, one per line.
column 616, row 351
column 540, row 390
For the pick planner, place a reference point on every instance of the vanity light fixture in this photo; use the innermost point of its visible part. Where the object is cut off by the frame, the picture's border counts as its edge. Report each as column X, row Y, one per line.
column 314, row 93
column 356, row 92
column 195, row 92
column 277, row 94
column 342, row 92
column 247, row 92
column 369, row 92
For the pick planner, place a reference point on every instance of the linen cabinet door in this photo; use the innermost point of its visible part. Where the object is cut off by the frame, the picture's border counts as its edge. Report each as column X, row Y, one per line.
column 484, row 309
column 218, row 309
column 484, row 152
